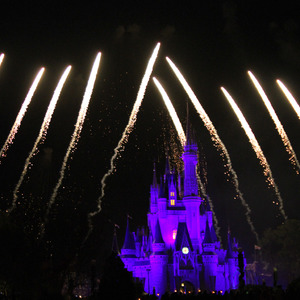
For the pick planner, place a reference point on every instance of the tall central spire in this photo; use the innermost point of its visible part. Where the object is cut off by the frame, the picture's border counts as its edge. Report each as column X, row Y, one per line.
column 190, row 159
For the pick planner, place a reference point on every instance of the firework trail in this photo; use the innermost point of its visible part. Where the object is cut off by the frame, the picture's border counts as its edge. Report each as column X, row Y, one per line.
column 257, row 149
column 213, row 133
column 127, row 131
column 278, row 125
column 1, row 58
column 21, row 114
column 77, row 131
column 42, row 134
column 172, row 112
column 182, row 139
column 290, row 97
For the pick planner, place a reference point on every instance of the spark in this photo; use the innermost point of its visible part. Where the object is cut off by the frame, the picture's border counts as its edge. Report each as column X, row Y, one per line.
column 21, row 114
column 257, row 149
column 42, row 134
column 290, row 97
column 77, row 131
column 278, row 125
column 125, row 135
column 213, row 133
column 172, row 112
column 1, row 58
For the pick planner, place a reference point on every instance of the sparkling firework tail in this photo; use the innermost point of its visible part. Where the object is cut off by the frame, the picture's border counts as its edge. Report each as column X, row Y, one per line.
column 21, row 114
column 172, row 112
column 125, row 135
column 257, row 149
column 42, row 134
column 213, row 133
column 76, row 134
column 286, row 142
column 290, row 97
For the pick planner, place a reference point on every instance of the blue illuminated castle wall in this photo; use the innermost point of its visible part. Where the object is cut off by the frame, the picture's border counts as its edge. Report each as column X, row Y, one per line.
column 180, row 245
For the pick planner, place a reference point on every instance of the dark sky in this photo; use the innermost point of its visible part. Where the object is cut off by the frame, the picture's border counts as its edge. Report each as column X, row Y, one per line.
column 213, row 44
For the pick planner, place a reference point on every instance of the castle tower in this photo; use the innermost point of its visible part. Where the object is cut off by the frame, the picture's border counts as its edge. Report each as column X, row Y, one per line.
column 232, row 269
column 128, row 251
column 191, row 197
column 210, row 259
column 159, row 263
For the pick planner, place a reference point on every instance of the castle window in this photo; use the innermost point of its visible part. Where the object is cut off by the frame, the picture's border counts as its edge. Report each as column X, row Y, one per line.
column 172, row 194
column 172, row 202
column 174, row 234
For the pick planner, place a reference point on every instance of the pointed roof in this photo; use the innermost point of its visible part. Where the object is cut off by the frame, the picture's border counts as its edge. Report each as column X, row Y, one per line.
column 115, row 246
column 167, row 168
column 154, row 181
column 157, row 235
column 229, row 253
column 129, row 242
column 213, row 233
column 207, row 238
column 183, row 238
column 162, row 192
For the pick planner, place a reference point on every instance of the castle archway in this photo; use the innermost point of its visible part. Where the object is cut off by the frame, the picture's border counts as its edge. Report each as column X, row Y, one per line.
column 187, row 287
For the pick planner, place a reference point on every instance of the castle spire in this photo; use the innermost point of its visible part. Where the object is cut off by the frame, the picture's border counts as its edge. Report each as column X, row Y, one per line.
column 129, row 242
column 154, row 181
column 115, row 246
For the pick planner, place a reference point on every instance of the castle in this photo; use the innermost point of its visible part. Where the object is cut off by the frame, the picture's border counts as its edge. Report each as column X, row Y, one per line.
column 180, row 251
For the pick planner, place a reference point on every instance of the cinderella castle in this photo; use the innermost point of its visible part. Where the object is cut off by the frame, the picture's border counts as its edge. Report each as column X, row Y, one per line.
column 179, row 249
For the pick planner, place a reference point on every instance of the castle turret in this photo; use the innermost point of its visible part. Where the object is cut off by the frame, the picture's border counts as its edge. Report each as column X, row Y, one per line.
column 159, row 262
column 210, row 259
column 128, row 251
column 154, row 191
column 232, row 269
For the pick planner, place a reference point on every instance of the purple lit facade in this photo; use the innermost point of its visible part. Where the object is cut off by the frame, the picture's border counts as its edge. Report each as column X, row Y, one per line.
column 179, row 250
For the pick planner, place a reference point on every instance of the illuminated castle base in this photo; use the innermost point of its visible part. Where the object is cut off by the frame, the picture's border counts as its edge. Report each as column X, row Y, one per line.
column 179, row 251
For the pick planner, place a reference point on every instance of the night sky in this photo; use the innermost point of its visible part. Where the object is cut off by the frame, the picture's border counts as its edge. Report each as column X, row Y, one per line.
column 213, row 44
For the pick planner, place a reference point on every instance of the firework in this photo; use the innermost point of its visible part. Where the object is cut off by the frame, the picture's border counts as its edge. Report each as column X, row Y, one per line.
column 21, row 114
column 172, row 112
column 42, row 134
column 78, row 127
column 257, row 149
column 213, row 133
column 278, row 125
column 125, row 135
column 290, row 97
column 1, row 58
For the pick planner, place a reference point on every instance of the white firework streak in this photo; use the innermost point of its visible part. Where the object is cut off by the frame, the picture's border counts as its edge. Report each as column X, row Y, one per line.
column 290, row 97
column 213, row 133
column 127, row 131
column 172, row 112
column 42, row 134
column 286, row 142
column 78, row 127
column 257, row 149
column 1, row 58
column 182, row 139
column 21, row 114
